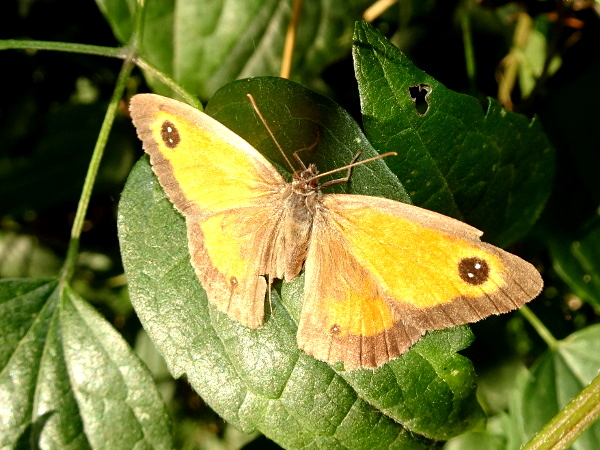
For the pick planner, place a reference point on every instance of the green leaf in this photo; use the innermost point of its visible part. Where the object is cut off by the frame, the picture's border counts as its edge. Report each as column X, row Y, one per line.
column 492, row 170
column 558, row 376
column 490, row 439
column 204, row 44
column 68, row 379
column 259, row 379
column 157, row 39
column 577, row 262
column 24, row 255
column 540, row 393
column 533, row 56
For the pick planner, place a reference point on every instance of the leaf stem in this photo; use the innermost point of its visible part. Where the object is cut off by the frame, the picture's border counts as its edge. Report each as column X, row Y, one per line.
column 189, row 98
column 129, row 54
column 109, row 118
column 113, row 52
column 539, row 327
column 571, row 421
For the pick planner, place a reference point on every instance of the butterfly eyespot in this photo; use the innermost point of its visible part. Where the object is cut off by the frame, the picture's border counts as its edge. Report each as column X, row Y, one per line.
column 474, row 271
column 233, row 282
column 335, row 329
column 170, row 134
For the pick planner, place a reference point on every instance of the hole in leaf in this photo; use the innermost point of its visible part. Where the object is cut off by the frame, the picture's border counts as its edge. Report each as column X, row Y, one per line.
column 419, row 94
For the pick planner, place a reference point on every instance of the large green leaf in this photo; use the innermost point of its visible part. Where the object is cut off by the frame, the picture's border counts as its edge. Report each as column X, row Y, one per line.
column 68, row 379
column 259, row 379
column 492, row 169
column 204, row 44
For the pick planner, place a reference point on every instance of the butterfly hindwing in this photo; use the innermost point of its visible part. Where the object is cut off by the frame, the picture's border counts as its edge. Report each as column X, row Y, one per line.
column 346, row 315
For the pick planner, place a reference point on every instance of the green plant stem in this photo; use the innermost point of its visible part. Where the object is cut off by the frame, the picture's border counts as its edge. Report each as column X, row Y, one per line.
column 129, row 54
column 189, row 98
column 136, row 38
column 571, row 421
column 539, row 327
column 109, row 118
column 14, row 44
column 88, row 184
column 125, row 53
column 465, row 24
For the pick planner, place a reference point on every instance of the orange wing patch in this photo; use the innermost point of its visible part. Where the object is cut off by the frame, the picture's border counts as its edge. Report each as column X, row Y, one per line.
column 351, row 320
column 428, row 272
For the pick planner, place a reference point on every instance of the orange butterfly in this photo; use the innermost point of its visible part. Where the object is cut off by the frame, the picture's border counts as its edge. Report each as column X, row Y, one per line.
column 378, row 273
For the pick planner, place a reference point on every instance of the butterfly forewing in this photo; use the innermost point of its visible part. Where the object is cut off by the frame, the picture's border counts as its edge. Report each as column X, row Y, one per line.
column 229, row 194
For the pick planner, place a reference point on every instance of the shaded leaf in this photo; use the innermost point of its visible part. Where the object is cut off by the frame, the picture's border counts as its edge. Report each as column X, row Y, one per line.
column 58, row 157
column 22, row 255
column 70, row 129
column 492, row 438
column 68, row 379
column 558, row 376
column 157, row 37
column 578, row 264
column 492, row 170
column 206, row 44
column 540, row 393
column 533, row 55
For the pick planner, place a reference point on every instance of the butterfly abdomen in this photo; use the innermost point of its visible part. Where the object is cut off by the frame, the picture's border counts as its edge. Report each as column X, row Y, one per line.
column 292, row 237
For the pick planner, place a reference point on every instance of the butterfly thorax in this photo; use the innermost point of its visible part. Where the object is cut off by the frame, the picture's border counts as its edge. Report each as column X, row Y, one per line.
column 299, row 209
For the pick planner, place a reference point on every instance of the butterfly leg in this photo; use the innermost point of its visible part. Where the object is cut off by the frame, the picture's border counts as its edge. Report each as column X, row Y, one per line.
column 269, row 286
column 348, row 174
column 310, row 148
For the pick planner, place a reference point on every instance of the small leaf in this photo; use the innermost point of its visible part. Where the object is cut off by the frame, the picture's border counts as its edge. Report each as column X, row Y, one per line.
column 558, row 376
column 540, row 393
column 68, row 379
column 24, row 255
column 578, row 264
column 259, row 379
column 532, row 57
column 490, row 170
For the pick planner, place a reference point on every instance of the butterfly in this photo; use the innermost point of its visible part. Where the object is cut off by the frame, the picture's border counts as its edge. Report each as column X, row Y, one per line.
column 378, row 273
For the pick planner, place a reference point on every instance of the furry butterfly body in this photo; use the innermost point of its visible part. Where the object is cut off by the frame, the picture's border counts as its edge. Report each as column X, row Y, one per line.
column 378, row 273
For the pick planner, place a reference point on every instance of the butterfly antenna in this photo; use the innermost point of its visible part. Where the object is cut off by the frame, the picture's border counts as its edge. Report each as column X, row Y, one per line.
column 262, row 119
column 354, row 164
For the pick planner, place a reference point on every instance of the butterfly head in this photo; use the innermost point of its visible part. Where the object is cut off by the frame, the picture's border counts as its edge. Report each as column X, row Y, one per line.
column 305, row 181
